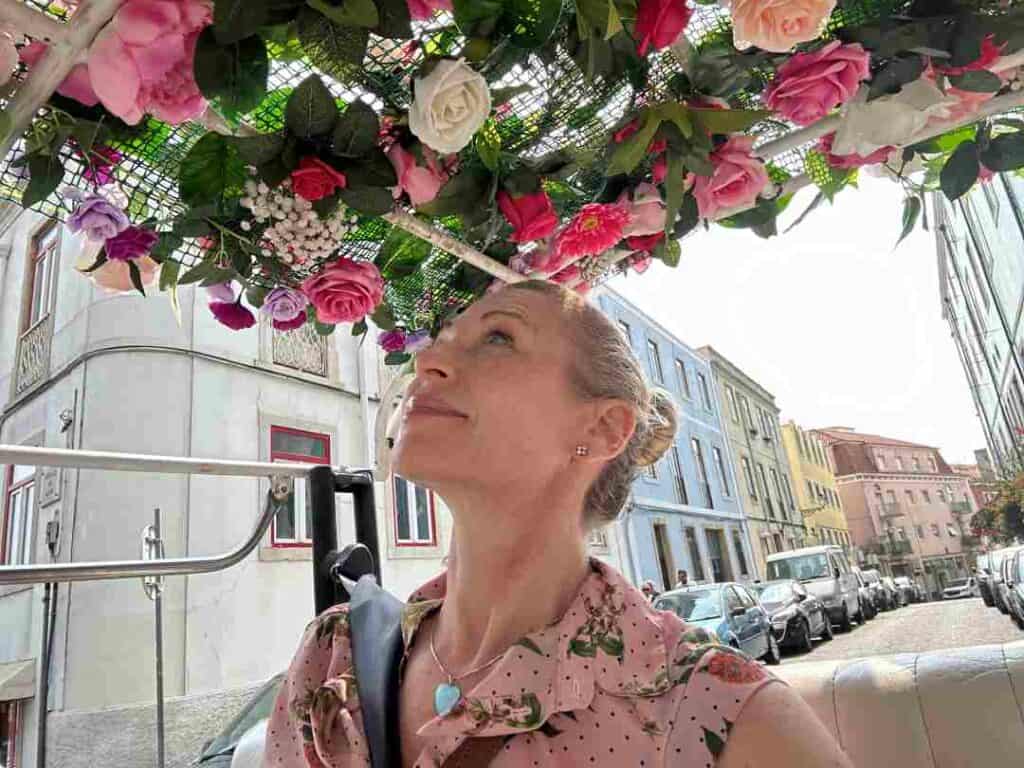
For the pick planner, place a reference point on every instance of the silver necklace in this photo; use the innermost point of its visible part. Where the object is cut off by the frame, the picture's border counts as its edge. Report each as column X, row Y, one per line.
column 447, row 695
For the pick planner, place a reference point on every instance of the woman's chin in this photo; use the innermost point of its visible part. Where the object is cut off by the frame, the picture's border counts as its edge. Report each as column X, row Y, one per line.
column 422, row 464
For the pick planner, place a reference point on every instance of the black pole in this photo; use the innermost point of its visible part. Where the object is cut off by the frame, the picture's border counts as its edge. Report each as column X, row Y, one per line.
column 320, row 490
column 360, row 485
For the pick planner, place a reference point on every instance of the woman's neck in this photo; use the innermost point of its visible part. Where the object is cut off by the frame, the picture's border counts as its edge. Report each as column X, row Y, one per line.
column 510, row 572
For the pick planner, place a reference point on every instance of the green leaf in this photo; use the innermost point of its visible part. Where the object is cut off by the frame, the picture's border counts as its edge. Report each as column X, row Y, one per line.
column 373, row 169
column 101, row 259
column 960, row 171
column 349, row 13
column 323, row 329
column 168, row 243
column 911, row 212
column 169, row 274
column 527, row 643
column 259, row 149
column 401, row 254
column 372, row 201
column 360, row 328
column 713, row 742
column 530, row 23
column 45, row 174
column 669, row 252
column 337, row 50
column 461, row 194
column 894, row 75
column 678, row 114
column 397, row 358
column 211, row 172
column 673, row 190
column 311, row 110
column 234, row 74
column 355, row 133
column 727, row 120
column 256, row 295
column 383, row 318
column 523, row 181
column 477, row 18
column 395, row 23
column 235, row 20
column 136, row 277
column 628, row 154
column 689, row 217
column 818, row 199
column 1004, row 152
column 488, row 145
column 979, row 81
column 200, row 271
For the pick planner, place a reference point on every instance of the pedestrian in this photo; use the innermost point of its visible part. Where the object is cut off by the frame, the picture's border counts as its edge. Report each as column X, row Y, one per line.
column 649, row 590
column 682, row 579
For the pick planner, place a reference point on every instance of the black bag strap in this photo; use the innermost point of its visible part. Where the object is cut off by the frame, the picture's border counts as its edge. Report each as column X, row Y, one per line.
column 375, row 618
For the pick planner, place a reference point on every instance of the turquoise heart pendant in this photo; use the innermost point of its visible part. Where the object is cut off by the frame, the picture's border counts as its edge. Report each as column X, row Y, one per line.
column 446, row 698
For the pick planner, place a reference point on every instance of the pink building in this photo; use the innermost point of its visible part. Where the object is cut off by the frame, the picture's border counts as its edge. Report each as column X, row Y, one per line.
column 907, row 510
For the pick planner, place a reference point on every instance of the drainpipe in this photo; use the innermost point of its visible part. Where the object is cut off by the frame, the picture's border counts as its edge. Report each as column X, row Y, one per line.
column 364, row 403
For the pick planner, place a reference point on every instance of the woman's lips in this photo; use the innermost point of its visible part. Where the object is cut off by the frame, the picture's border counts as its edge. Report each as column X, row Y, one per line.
column 429, row 406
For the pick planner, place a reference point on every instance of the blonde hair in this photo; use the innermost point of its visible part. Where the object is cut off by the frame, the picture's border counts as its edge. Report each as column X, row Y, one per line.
column 604, row 367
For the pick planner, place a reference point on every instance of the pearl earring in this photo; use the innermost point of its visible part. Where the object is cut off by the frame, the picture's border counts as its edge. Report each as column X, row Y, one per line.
column 582, row 450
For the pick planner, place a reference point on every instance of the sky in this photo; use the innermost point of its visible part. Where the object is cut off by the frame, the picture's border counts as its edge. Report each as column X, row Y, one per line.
column 841, row 327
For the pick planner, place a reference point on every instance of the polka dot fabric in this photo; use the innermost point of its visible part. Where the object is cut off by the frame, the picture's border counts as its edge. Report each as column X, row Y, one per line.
column 613, row 682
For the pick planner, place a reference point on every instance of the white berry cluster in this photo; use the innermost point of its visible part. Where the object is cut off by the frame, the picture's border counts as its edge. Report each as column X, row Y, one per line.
column 296, row 234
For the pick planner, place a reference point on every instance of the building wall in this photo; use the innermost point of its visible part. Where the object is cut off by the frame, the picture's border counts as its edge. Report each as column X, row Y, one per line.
column 657, row 499
column 817, row 499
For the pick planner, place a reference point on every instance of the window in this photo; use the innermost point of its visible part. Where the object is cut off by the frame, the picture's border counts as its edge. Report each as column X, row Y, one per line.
column 935, row 529
column 942, row 495
column 741, row 556
column 702, row 471
column 917, row 464
column 414, row 514
column 19, row 514
column 778, row 488
column 10, row 713
column 749, row 477
column 910, row 497
column 926, row 496
column 747, row 418
column 810, row 491
column 734, row 407
column 655, row 358
column 598, row 539
column 43, row 273
column 696, row 564
column 720, row 466
column 931, row 464
column 626, row 330
column 677, row 477
column 720, row 570
column 764, row 487
column 788, row 488
column 705, row 393
column 899, row 463
column 664, row 553
column 920, row 531
column 880, row 460
column 684, row 383
column 651, row 471
column 890, row 496
column 293, row 522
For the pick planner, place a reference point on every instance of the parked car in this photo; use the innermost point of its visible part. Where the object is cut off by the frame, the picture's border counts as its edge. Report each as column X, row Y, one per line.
column 878, row 592
column 961, row 588
column 825, row 573
column 983, row 570
column 865, row 596
column 1002, row 583
column 896, row 597
column 796, row 615
column 995, row 559
column 219, row 751
column 730, row 611
column 1015, row 588
column 906, row 585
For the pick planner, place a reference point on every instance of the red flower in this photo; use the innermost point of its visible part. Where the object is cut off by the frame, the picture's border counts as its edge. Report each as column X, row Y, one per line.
column 314, row 179
column 644, row 242
column 532, row 217
column 626, row 131
column 657, row 146
column 660, row 169
column 569, row 275
column 990, row 53
column 640, row 263
column 596, row 228
column 733, row 668
column 290, row 325
column 232, row 314
column 660, row 22
column 130, row 243
column 850, row 161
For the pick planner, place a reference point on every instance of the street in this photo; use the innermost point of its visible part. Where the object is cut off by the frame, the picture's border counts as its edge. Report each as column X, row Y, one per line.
column 915, row 629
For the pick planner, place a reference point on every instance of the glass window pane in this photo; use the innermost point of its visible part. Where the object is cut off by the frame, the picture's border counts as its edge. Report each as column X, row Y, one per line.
column 29, row 514
column 21, row 473
column 402, row 509
column 422, row 514
column 314, row 447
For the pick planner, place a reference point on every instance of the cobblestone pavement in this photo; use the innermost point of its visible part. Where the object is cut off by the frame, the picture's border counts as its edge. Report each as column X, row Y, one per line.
column 917, row 628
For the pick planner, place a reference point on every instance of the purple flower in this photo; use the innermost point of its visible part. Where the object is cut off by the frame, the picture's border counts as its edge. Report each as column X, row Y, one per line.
column 285, row 305
column 290, row 325
column 417, row 341
column 232, row 314
column 221, row 292
column 392, row 341
column 131, row 243
column 96, row 216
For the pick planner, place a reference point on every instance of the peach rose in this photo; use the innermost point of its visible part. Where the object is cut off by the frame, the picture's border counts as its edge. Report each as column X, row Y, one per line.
column 778, row 25
column 344, row 291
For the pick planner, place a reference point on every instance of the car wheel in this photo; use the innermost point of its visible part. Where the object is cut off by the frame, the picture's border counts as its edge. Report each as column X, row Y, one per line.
column 859, row 615
column 844, row 623
column 806, row 644
column 773, row 656
column 826, row 633
column 986, row 598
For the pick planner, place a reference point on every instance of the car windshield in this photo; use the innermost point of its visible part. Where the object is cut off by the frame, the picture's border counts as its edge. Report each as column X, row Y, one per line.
column 776, row 593
column 258, row 708
column 698, row 605
column 802, row 568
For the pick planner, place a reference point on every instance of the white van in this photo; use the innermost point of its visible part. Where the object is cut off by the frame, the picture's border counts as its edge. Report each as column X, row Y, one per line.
column 826, row 574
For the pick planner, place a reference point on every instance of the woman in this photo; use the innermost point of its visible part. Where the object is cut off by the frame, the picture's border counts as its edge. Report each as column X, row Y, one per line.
column 530, row 417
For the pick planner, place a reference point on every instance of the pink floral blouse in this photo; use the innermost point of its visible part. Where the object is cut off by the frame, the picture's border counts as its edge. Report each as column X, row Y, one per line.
column 613, row 682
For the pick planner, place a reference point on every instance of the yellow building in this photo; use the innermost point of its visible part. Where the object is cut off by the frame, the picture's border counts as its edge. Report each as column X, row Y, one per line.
column 816, row 494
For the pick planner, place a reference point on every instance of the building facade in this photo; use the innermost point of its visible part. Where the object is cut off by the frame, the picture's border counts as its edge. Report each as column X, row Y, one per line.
column 980, row 247
column 908, row 512
column 751, row 425
column 685, row 512
column 81, row 368
column 816, row 496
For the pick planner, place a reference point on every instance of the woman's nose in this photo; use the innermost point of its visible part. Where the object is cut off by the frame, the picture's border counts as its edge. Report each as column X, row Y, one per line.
column 435, row 360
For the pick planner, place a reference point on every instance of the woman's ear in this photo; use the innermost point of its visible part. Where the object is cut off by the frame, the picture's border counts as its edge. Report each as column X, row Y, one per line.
column 612, row 425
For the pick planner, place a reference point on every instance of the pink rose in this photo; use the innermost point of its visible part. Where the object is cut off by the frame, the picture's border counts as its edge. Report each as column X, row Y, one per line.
column 532, row 217
column 853, row 160
column 420, row 183
column 626, row 131
column 314, row 179
column 75, row 86
column 778, row 25
column 344, row 291
column 645, row 243
column 422, row 10
column 660, row 22
column 660, row 169
column 392, row 341
column 810, row 85
column 646, row 212
column 736, row 182
column 142, row 60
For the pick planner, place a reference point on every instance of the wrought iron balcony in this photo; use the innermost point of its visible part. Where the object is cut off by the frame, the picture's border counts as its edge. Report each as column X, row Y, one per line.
column 33, row 356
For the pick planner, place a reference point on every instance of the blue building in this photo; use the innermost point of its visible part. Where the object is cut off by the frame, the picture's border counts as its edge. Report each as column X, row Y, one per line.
column 685, row 511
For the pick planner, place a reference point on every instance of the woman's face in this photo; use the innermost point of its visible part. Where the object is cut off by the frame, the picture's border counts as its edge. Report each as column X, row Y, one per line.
column 492, row 403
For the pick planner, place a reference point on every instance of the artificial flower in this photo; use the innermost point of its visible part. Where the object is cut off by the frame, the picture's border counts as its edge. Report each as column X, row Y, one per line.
column 571, row 274
column 232, row 314
column 626, row 131
column 738, row 179
column 96, row 216
column 990, row 53
column 100, row 164
column 645, row 243
column 889, row 120
column 596, row 228
column 851, row 160
column 422, row 10
column 392, row 341
column 660, row 169
column 115, row 276
column 417, row 341
column 314, row 179
column 290, row 325
column 660, row 22
column 778, row 25
column 142, row 60
column 646, row 211
column 344, row 291
column 641, row 263
column 449, row 106
column 532, row 216
column 810, row 85
column 76, row 85
column 286, row 307
column 221, row 292
column 131, row 243
column 420, row 182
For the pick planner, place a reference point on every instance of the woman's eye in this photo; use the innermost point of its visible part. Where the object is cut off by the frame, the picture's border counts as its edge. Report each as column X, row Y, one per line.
column 498, row 337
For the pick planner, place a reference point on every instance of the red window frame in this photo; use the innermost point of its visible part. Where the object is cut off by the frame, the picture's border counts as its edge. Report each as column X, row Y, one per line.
column 9, row 489
column 13, row 720
column 300, row 458
column 394, row 516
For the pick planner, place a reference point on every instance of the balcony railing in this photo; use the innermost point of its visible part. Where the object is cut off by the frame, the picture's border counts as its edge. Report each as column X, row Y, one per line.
column 888, row 548
column 890, row 509
column 33, row 356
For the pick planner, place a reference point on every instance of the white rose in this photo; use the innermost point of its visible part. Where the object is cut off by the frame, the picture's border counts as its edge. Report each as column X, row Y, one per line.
column 449, row 106
column 889, row 120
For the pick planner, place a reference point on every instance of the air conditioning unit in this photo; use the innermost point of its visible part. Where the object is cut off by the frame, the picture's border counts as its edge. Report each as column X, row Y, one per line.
column 753, row 431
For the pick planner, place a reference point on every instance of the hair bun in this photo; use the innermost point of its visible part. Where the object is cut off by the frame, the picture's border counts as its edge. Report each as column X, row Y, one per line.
column 662, row 422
